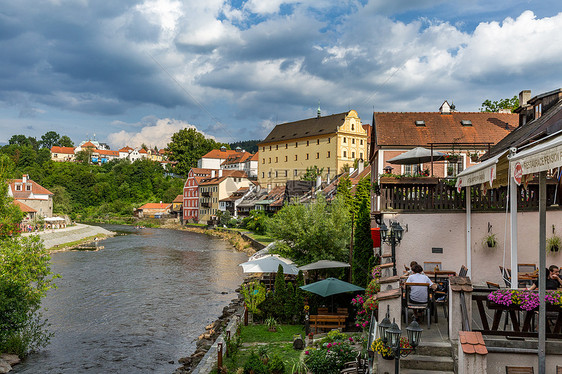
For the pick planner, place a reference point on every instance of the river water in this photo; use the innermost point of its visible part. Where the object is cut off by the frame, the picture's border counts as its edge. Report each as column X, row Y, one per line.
column 136, row 305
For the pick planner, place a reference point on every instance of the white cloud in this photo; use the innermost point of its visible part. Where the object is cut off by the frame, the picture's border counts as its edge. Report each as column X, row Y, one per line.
column 157, row 134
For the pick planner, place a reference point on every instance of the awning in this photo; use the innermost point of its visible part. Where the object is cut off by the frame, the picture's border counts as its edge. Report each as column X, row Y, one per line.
column 543, row 156
column 53, row 219
column 478, row 174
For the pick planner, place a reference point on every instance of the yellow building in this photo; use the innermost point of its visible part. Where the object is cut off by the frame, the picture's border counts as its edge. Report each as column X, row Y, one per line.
column 328, row 142
column 220, row 186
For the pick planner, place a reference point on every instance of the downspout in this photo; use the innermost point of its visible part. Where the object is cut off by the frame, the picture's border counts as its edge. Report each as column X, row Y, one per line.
column 513, row 234
column 468, row 231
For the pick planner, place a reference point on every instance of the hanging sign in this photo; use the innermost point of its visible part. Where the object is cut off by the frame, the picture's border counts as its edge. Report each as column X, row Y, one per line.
column 518, row 173
column 546, row 159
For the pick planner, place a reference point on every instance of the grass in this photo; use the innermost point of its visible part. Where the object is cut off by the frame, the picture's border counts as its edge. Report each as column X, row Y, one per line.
column 262, row 238
column 75, row 243
column 259, row 333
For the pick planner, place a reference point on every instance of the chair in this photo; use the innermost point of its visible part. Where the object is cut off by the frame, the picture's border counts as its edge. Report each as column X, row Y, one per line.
column 558, row 369
column 431, row 266
column 414, row 306
column 519, row 370
column 506, row 276
column 526, row 268
column 463, row 271
column 323, row 311
column 359, row 366
column 493, row 286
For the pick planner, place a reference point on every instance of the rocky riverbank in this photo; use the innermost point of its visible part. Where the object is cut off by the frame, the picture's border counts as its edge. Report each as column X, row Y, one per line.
column 7, row 361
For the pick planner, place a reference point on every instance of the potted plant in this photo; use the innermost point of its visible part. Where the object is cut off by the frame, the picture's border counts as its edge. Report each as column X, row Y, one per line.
column 271, row 324
column 452, row 158
column 553, row 244
column 491, row 240
column 474, row 157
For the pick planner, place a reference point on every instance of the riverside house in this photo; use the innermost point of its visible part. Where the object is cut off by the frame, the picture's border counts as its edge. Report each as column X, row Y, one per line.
column 191, row 192
column 32, row 195
column 154, row 210
column 327, row 142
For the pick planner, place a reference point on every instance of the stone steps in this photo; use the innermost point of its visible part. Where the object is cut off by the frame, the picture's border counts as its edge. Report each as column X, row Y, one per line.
column 435, row 349
column 421, row 362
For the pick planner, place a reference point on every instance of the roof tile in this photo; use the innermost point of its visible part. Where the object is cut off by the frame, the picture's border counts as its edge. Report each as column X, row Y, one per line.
column 472, row 342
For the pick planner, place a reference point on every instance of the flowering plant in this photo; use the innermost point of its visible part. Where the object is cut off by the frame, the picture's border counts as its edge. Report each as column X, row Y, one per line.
column 376, row 273
column 379, row 347
column 361, row 318
column 329, row 358
column 526, row 300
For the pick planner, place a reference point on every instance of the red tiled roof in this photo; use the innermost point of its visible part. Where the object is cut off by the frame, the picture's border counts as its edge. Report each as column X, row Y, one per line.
column 156, row 206
column 24, row 208
column 237, row 158
column 126, row 149
column 255, row 157
column 399, row 129
column 65, row 150
column 225, row 174
column 142, row 150
column 107, row 152
column 88, row 144
column 472, row 342
column 217, row 153
column 24, row 194
column 178, row 199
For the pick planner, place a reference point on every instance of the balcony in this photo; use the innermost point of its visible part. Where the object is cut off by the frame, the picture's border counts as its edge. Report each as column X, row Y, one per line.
column 205, row 194
column 205, row 205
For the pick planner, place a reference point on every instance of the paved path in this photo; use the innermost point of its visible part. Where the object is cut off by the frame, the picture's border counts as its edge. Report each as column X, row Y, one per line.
column 69, row 234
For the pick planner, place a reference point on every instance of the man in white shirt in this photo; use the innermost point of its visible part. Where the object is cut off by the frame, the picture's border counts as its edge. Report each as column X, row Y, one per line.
column 418, row 294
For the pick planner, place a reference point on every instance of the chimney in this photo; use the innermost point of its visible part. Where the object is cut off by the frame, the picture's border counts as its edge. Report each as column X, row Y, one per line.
column 223, row 149
column 213, row 173
column 445, row 108
column 524, row 97
column 220, row 173
column 360, row 166
column 24, row 178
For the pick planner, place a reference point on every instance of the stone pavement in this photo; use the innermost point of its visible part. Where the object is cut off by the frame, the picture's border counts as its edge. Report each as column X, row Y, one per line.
column 55, row 237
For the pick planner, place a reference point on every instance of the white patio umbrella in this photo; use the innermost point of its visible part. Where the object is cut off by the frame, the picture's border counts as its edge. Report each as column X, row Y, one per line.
column 418, row 155
column 269, row 264
column 324, row 264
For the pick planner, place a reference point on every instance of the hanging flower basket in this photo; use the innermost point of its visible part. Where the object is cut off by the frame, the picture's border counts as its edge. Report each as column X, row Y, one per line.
column 474, row 157
column 452, row 158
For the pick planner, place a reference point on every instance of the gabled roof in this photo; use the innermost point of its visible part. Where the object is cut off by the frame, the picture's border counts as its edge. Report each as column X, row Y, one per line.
column 237, row 158
column 64, row 150
column 142, row 150
column 126, row 149
column 307, row 127
column 178, row 199
column 24, row 208
column 36, row 189
column 400, row 129
column 255, row 157
column 155, row 206
column 225, row 174
column 107, row 152
column 217, row 153
column 89, row 144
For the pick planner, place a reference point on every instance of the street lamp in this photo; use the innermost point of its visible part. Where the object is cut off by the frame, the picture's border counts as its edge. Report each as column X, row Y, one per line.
column 392, row 237
column 390, row 335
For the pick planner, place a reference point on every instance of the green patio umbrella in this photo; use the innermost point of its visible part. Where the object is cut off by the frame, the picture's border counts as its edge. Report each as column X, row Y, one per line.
column 330, row 286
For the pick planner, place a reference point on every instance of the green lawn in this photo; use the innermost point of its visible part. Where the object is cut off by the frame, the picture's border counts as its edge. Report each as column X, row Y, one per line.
column 264, row 239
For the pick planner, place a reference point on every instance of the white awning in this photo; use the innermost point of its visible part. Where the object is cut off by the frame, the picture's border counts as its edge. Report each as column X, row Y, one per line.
column 543, row 156
column 478, row 174
column 53, row 219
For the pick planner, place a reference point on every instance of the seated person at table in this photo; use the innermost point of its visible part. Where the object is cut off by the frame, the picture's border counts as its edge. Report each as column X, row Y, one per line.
column 409, row 271
column 418, row 294
column 553, row 281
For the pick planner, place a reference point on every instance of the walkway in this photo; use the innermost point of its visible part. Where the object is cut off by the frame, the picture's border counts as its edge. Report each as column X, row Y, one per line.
column 53, row 237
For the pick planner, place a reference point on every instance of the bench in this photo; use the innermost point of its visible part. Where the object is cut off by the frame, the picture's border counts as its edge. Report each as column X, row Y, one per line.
column 327, row 321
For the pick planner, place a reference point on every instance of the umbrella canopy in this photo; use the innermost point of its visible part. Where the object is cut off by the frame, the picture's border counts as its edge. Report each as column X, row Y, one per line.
column 417, row 155
column 269, row 264
column 324, row 264
column 330, row 286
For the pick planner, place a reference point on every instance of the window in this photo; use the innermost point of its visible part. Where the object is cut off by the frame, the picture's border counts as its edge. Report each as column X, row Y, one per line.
column 270, row 148
column 28, row 187
column 329, row 139
column 352, row 154
column 263, row 149
column 328, row 171
column 18, row 187
column 263, row 161
column 344, row 140
column 352, row 127
column 361, row 142
column 269, row 174
column 317, row 155
column 538, row 110
column 307, row 143
column 287, row 146
column 317, row 141
column 270, row 160
column 353, row 141
column 286, row 158
column 276, row 174
column 296, row 157
column 277, row 147
column 286, row 173
column 276, row 159
column 263, row 174
column 344, row 154
column 361, row 155
column 307, row 156
column 296, row 144
column 328, row 154
column 296, row 172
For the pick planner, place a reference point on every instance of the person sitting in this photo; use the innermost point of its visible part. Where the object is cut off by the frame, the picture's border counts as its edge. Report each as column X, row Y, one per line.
column 409, row 269
column 553, row 281
column 418, row 294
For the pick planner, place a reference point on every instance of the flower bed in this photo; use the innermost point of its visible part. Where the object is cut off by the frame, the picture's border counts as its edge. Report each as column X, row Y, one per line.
column 329, row 355
column 526, row 300
column 386, row 352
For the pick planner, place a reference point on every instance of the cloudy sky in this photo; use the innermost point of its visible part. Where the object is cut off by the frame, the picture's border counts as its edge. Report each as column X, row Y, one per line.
column 133, row 71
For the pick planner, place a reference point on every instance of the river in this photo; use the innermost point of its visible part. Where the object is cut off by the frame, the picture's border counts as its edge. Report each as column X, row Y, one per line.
column 136, row 306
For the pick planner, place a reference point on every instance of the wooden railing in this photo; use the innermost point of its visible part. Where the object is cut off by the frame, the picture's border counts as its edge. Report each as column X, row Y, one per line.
column 432, row 194
column 490, row 318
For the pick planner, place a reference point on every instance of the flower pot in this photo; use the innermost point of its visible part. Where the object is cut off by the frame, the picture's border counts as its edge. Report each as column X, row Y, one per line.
column 474, row 158
column 387, row 357
column 272, row 329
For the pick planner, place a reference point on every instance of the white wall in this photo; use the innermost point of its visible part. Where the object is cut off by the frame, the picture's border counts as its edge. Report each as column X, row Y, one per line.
column 448, row 231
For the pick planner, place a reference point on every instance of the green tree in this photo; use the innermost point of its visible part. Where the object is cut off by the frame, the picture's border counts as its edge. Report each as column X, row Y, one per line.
column 65, row 141
column 312, row 232
column 363, row 258
column 495, row 106
column 312, row 173
column 344, row 191
column 10, row 214
column 362, row 193
column 188, row 146
column 280, row 292
column 49, row 139
column 61, row 200
column 298, row 303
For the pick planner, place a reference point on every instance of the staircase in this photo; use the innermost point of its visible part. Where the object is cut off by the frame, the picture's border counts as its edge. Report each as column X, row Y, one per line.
column 430, row 358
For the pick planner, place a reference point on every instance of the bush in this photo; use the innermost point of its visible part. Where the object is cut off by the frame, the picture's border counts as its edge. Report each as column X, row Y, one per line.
column 329, row 358
column 276, row 365
column 255, row 365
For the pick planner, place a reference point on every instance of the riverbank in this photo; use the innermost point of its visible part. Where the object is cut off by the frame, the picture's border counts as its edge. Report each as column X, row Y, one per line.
column 71, row 237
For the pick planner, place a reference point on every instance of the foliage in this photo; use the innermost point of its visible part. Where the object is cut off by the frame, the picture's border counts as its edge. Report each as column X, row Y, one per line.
column 344, row 190
column 187, row 146
column 379, row 347
column 363, row 257
column 280, row 292
column 10, row 214
column 275, row 364
column 496, row 105
column 254, row 295
column 49, row 139
column 271, row 323
column 256, row 221
column 312, row 232
column 65, row 141
column 526, row 300
column 490, row 240
column 328, row 357
column 553, row 244
column 298, row 301
column 312, row 173
column 247, row 145
column 224, row 217
column 255, row 365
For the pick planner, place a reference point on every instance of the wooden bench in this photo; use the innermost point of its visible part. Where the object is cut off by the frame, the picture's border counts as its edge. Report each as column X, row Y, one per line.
column 327, row 321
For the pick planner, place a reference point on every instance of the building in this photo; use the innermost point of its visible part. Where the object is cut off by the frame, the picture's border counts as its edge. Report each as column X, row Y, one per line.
column 327, row 142
column 230, row 204
column 214, row 158
column 124, row 152
column 466, row 135
column 191, row 192
column 32, row 195
column 216, row 188
column 154, row 210
column 101, row 156
column 62, row 154
column 177, row 206
column 243, row 161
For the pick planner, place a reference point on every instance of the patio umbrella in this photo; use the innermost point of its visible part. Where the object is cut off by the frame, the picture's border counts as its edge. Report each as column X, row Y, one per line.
column 418, row 155
column 269, row 264
column 324, row 264
column 330, row 286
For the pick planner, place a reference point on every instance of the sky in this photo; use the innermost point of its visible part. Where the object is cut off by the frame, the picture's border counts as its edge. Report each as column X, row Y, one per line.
column 129, row 72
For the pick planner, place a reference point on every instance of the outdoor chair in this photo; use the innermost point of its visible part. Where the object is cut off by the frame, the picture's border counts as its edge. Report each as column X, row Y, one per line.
column 506, row 276
column 493, row 286
column 519, row 370
column 526, row 268
column 431, row 266
column 408, row 304
column 359, row 366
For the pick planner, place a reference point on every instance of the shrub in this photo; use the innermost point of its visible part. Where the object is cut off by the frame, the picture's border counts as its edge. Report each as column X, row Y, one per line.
column 255, row 365
column 276, row 365
column 329, row 358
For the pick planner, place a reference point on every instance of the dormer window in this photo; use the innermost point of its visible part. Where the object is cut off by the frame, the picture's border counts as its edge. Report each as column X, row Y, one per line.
column 28, row 187
column 538, row 110
column 18, row 187
column 466, row 123
column 420, row 123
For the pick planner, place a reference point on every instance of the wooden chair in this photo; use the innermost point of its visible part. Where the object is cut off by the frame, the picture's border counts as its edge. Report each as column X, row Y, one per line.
column 408, row 304
column 463, row 271
column 359, row 366
column 323, row 311
column 526, row 268
column 519, row 370
column 431, row 266
column 493, row 286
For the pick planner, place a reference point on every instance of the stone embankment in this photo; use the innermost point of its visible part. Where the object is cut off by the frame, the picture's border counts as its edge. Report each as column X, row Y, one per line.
column 73, row 234
column 7, row 361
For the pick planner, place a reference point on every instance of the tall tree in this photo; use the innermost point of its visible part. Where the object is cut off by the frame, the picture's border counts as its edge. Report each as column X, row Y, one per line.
column 65, row 141
column 363, row 257
column 49, row 139
column 10, row 214
column 495, row 106
column 188, row 146
column 312, row 173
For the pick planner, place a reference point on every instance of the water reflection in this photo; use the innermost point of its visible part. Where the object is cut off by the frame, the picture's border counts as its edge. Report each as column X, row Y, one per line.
column 137, row 304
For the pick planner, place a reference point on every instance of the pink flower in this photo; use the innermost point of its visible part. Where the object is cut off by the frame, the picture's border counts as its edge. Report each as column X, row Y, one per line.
column 306, row 352
column 350, row 339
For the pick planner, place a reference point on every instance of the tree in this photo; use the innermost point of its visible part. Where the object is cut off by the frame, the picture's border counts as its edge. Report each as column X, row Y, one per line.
column 312, row 232
column 312, row 173
column 65, row 141
column 363, row 258
column 495, row 106
column 188, row 146
column 280, row 292
column 344, row 191
column 10, row 214
column 49, row 139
